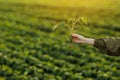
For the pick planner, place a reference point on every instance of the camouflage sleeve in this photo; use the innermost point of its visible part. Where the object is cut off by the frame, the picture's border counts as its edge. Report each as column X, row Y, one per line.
column 110, row 46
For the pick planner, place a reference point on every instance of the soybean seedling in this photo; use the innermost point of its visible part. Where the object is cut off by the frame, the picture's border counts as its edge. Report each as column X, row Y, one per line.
column 74, row 25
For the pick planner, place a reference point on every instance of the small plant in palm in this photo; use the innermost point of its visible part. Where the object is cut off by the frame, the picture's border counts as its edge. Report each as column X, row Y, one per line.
column 74, row 25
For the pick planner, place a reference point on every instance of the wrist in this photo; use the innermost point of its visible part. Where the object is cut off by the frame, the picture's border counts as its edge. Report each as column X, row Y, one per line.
column 89, row 41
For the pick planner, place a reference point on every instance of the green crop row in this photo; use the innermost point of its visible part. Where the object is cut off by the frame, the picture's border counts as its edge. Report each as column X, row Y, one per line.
column 30, row 50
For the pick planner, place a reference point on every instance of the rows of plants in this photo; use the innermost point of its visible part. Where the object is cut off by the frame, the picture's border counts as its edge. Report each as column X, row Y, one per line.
column 30, row 50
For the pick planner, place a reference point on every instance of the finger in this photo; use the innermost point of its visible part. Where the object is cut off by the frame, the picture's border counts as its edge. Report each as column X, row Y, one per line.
column 75, row 35
column 76, row 40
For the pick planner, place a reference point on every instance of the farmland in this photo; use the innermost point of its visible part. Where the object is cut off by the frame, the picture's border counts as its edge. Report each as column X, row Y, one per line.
column 30, row 50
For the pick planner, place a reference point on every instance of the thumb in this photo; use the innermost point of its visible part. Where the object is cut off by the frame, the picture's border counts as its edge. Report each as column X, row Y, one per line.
column 75, row 35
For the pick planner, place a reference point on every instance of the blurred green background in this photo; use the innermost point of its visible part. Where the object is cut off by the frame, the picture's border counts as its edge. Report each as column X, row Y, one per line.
column 30, row 50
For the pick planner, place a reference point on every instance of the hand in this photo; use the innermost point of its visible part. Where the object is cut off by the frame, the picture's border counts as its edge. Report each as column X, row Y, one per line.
column 82, row 40
column 78, row 38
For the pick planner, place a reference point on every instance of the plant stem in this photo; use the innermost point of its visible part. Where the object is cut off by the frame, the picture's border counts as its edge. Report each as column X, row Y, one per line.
column 70, row 44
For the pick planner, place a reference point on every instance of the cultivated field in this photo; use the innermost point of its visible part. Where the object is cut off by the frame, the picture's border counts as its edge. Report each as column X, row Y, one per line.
column 30, row 50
